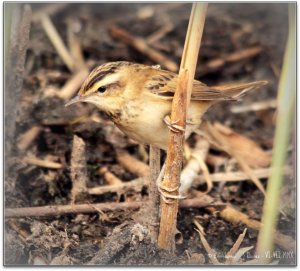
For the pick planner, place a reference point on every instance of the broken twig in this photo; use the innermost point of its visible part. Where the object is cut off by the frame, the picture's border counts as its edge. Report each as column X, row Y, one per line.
column 78, row 168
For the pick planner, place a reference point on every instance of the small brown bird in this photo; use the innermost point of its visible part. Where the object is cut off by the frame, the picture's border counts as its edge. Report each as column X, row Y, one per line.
column 138, row 99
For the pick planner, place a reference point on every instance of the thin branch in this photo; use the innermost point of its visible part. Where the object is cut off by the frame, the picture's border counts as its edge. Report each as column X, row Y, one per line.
column 69, row 209
column 55, row 210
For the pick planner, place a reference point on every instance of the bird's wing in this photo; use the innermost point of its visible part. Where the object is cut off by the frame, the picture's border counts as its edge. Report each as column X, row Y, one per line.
column 163, row 85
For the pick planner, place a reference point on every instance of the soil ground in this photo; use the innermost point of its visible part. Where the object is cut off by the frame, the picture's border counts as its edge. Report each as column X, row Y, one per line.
column 75, row 239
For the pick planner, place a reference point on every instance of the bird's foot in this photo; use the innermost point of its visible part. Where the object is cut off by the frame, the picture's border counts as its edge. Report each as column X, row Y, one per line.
column 172, row 125
column 166, row 193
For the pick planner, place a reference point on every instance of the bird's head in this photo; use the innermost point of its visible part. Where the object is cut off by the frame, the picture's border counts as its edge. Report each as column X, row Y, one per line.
column 104, row 87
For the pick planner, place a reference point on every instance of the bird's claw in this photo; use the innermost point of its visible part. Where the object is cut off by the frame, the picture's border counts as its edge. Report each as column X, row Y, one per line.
column 166, row 192
column 166, row 195
column 172, row 125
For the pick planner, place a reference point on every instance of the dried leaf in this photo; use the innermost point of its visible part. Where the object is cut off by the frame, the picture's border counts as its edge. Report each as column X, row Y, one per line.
column 244, row 147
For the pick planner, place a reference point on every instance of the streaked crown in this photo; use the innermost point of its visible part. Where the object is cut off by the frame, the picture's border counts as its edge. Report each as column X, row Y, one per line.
column 102, row 77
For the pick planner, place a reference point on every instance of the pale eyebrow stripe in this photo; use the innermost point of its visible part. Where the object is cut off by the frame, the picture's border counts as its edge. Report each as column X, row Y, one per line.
column 98, row 77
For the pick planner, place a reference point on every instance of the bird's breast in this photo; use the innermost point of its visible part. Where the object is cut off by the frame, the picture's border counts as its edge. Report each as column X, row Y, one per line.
column 143, row 121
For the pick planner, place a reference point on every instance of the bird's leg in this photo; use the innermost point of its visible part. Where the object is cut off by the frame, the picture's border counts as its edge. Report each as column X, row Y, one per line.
column 172, row 125
column 165, row 192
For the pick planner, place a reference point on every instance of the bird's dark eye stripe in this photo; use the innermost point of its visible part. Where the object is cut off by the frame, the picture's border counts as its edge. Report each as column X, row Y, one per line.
column 98, row 77
column 166, row 94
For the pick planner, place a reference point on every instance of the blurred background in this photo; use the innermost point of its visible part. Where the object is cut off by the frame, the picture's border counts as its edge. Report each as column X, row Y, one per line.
column 241, row 43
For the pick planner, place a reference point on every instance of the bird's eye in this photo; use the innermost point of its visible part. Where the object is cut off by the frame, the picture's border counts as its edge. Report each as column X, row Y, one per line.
column 102, row 89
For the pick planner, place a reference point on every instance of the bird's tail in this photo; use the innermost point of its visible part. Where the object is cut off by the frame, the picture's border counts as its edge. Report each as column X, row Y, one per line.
column 236, row 91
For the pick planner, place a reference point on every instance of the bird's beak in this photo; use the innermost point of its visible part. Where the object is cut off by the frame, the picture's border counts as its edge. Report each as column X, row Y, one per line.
column 74, row 100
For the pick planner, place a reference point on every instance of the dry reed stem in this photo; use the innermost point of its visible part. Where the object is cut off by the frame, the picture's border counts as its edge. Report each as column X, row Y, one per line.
column 42, row 163
column 180, row 104
column 75, row 47
column 135, row 185
column 152, row 209
column 14, row 70
column 173, row 164
column 49, row 9
column 166, row 28
column 55, row 210
column 57, row 41
column 218, row 63
column 28, row 137
column 257, row 106
column 228, row 213
column 141, row 45
column 72, row 85
column 238, row 176
column 232, row 215
column 132, row 164
column 109, row 177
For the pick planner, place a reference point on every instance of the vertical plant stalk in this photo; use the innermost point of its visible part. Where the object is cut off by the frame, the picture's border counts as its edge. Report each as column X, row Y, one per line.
column 148, row 215
column 78, row 168
column 286, row 109
column 14, row 69
column 180, row 104
column 153, row 214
